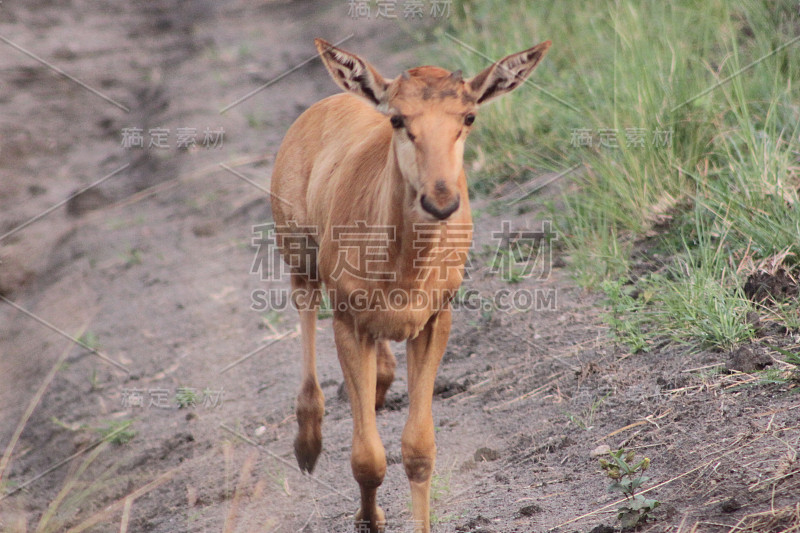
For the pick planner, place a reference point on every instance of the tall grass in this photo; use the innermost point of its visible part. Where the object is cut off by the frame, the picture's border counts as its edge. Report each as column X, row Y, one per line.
column 684, row 115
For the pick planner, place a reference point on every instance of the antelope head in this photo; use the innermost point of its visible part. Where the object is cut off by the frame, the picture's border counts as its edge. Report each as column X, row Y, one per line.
column 431, row 111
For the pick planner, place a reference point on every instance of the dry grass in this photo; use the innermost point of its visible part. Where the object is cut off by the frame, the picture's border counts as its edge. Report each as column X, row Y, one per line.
column 784, row 520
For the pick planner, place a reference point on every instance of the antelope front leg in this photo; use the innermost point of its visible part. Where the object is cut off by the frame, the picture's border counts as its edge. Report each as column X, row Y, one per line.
column 358, row 358
column 418, row 442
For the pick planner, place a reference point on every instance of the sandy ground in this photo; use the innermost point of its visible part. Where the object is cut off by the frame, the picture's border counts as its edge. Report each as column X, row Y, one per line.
column 152, row 268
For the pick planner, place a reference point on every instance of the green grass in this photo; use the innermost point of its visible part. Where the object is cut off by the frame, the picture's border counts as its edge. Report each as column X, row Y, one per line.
column 272, row 317
column 712, row 87
column 90, row 340
column 325, row 310
column 585, row 420
column 116, row 431
column 699, row 301
column 440, row 486
column 187, row 397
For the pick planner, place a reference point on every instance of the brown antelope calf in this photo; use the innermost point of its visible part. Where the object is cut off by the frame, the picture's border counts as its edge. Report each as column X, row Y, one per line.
column 385, row 162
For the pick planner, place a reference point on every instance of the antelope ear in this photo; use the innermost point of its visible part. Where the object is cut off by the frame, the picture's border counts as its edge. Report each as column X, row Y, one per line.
column 352, row 73
column 507, row 74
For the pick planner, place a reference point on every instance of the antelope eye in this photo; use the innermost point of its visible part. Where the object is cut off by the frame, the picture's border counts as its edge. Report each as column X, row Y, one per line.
column 469, row 119
column 397, row 121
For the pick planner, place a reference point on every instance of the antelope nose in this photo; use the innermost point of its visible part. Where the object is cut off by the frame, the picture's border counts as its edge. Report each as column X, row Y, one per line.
column 440, row 213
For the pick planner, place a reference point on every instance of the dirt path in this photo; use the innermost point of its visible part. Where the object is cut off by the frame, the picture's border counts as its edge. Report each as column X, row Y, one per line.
column 152, row 268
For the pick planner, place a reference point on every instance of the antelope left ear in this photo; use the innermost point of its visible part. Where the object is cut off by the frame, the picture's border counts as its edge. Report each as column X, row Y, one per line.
column 507, row 74
column 352, row 73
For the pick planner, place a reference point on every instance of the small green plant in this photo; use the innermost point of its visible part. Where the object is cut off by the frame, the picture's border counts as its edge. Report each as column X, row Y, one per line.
column 790, row 357
column 117, row 432
column 116, row 224
column 133, row 257
column 777, row 375
column 627, row 477
column 625, row 316
column 8, row 485
column 272, row 317
column 186, row 397
column 279, row 478
column 90, row 340
column 487, row 309
column 437, row 520
column 461, row 296
column 788, row 314
column 325, row 310
column 770, row 376
column 257, row 121
column 522, row 258
column 585, row 420
column 510, row 267
column 94, row 381
column 65, row 425
column 440, row 486
column 244, row 52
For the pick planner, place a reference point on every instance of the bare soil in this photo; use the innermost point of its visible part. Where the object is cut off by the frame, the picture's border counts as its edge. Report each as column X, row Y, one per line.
column 152, row 268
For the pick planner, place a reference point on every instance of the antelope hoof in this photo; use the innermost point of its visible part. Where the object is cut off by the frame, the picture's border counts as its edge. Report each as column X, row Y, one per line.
column 307, row 449
column 376, row 525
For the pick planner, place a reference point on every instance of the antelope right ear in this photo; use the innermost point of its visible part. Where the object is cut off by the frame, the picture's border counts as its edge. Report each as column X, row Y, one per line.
column 507, row 74
column 352, row 73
